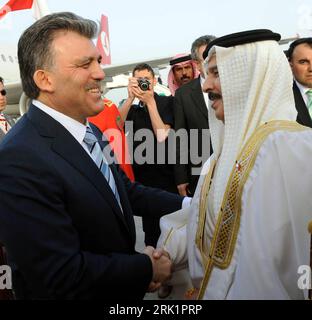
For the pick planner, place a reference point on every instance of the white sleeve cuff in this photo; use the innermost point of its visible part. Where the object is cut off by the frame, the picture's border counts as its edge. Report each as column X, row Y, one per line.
column 186, row 202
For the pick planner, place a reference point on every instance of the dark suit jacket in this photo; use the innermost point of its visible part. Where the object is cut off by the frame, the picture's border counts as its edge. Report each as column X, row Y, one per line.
column 190, row 112
column 63, row 229
column 303, row 113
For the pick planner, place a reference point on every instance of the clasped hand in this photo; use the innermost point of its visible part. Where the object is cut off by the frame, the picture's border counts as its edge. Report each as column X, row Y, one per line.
column 162, row 267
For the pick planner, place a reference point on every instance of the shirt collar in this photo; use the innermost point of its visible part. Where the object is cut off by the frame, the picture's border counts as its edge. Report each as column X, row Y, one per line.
column 75, row 128
column 302, row 88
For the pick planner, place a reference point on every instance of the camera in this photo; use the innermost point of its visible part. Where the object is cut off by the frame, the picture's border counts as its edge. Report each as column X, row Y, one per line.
column 144, row 84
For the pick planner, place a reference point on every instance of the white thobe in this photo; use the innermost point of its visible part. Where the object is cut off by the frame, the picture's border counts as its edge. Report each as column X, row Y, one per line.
column 273, row 240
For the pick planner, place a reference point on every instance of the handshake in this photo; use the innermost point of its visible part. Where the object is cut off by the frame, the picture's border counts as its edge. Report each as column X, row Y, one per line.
column 162, row 267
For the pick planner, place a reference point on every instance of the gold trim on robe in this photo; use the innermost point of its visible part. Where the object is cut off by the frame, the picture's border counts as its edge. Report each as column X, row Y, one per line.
column 228, row 223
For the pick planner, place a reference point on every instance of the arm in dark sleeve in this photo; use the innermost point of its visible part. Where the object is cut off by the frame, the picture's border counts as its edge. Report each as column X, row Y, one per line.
column 151, row 202
column 180, row 169
column 165, row 109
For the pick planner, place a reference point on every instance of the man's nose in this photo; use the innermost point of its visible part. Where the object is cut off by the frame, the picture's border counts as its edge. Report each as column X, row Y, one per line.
column 208, row 85
column 98, row 72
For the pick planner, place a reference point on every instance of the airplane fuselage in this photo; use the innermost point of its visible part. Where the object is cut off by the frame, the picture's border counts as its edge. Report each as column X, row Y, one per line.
column 9, row 70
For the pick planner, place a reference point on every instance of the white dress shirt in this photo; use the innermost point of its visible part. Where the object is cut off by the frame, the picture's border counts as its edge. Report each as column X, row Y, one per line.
column 303, row 91
column 74, row 127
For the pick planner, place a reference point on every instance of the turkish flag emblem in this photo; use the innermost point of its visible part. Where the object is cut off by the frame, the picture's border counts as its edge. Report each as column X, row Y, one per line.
column 14, row 5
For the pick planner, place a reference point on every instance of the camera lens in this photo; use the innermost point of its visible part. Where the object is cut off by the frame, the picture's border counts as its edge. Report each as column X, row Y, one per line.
column 144, row 84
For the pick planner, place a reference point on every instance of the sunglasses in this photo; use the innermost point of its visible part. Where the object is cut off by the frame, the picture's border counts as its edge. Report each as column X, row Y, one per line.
column 3, row 92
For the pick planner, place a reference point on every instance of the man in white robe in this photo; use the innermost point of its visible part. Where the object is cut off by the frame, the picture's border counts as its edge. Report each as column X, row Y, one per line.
column 245, row 235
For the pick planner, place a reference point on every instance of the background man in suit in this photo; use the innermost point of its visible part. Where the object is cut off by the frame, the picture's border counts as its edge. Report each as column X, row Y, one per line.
column 190, row 112
column 300, row 59
column 66, row 215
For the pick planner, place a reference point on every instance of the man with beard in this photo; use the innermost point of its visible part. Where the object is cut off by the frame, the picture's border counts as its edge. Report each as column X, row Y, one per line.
column 182, row 71
column 246, row 233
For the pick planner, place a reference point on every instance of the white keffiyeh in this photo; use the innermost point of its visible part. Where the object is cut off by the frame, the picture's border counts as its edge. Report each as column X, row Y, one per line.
column 256, row 83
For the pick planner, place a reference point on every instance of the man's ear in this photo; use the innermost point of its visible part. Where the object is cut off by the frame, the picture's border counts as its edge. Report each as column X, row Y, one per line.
column 198, row 64
column 43, row 81
column 291, row 64
column 154, row 81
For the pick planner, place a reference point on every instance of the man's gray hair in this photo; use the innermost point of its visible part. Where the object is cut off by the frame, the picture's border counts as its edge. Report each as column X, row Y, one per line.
column 35, row 45
column 201, row 41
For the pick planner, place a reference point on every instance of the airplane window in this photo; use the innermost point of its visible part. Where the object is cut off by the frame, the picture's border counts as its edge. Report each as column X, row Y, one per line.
column 3, row 58
column 11, row 59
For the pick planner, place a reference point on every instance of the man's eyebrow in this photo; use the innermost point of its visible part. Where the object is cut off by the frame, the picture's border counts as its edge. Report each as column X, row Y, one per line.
column 86, row 59
column 213, row 68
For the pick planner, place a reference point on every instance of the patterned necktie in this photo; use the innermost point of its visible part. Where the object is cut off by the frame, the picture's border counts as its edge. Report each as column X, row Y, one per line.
column 309, row 94
column 98, row 157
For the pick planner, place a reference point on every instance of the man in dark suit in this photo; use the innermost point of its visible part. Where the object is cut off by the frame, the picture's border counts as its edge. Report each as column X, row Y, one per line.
column 191, row 114
column 66, row 219
column 300, row 59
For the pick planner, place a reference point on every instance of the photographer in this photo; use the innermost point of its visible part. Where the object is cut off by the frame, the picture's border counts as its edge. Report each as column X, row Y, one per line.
column 154, row 113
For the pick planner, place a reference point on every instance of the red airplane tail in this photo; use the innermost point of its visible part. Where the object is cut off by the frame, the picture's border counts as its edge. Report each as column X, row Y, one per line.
column 103, row 43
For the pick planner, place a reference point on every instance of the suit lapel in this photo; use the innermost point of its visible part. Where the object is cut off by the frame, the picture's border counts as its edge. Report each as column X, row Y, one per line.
column 66, row 146
column 303, row 113
column 198, row 97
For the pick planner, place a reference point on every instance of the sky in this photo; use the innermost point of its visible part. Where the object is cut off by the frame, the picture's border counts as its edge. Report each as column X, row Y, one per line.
column 141, row 29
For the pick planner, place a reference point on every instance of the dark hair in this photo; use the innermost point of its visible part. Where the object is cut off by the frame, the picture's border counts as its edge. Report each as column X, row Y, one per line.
column 201, row 41
column 1, row 80
column 296, row 43
column 143, row 66
column 35, row 45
